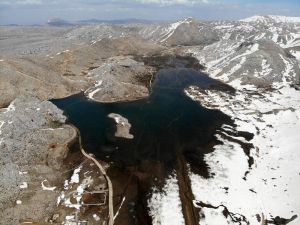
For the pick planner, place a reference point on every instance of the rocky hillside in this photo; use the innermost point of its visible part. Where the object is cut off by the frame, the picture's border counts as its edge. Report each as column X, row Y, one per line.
column 34, row 141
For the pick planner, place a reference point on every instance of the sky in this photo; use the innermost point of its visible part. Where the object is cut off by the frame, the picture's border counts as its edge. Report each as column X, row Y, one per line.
column 26, row 12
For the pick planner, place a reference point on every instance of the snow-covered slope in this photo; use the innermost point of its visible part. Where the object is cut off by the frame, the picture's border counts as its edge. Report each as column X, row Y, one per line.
column 259, row 62
column 272, row 18
column 270, row 187
column 184, row 32
column 254, row 52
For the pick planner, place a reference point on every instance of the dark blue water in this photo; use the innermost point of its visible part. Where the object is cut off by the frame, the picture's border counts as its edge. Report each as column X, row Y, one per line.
column 164, row 124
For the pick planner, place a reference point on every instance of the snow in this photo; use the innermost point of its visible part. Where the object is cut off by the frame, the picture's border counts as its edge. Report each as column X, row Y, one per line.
column 274, row 118
column 92, row 93
column 165, row 207
column 123, row 130
column 60, row 198
column 70, row 220
column 71, row 217
column 260, row 36
column 226, row 58
column 229, row 164
column 48, row 129
column 19, row 202
column 266, row 69
column 1, row 125
column 296, row 54
column 23, row 172
column 75, row 176
column 10, row 108
column 74, row 188
column 256, row 18
column 235, row 68
column 224, row 26
column 66, row 184
column 275, row 37
column 281, row 155
column 45, row 188
column 289, row 70
column 293, row 40
column 118, row 118
column 1, row 60
column 285, row 19
column 252, row 49
column 23, row 185
column 277, row 19
column 96, row 217
column 94, row 89
column 79, row 192
column 171, row 29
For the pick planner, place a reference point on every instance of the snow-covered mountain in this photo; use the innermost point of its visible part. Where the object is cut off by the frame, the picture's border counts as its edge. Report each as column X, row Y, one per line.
column 259, row 50
column 272, row 18
column 184, row 32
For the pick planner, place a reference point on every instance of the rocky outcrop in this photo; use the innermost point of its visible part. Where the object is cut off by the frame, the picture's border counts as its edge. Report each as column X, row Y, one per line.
column 119, row 79
column 192, row 33
column 122, row 126
column 34, row 142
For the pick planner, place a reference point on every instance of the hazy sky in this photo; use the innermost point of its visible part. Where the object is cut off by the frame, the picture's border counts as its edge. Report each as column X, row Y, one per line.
column 39, row 11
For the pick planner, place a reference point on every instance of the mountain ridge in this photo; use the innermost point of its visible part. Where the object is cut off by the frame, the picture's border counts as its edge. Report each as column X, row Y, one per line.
column 272, row 18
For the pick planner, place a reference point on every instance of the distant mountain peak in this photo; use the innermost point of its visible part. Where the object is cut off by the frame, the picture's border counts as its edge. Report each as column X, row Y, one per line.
column 272, row 18
column 58, row 22
column 116, row 21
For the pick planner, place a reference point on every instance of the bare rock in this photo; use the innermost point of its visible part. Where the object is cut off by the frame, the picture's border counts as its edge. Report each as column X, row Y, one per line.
column 118, row 80
column 34, row 142
column 123, row 126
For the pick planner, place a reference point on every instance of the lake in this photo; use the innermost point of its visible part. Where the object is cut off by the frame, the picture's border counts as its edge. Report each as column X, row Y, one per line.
column 166, row 123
